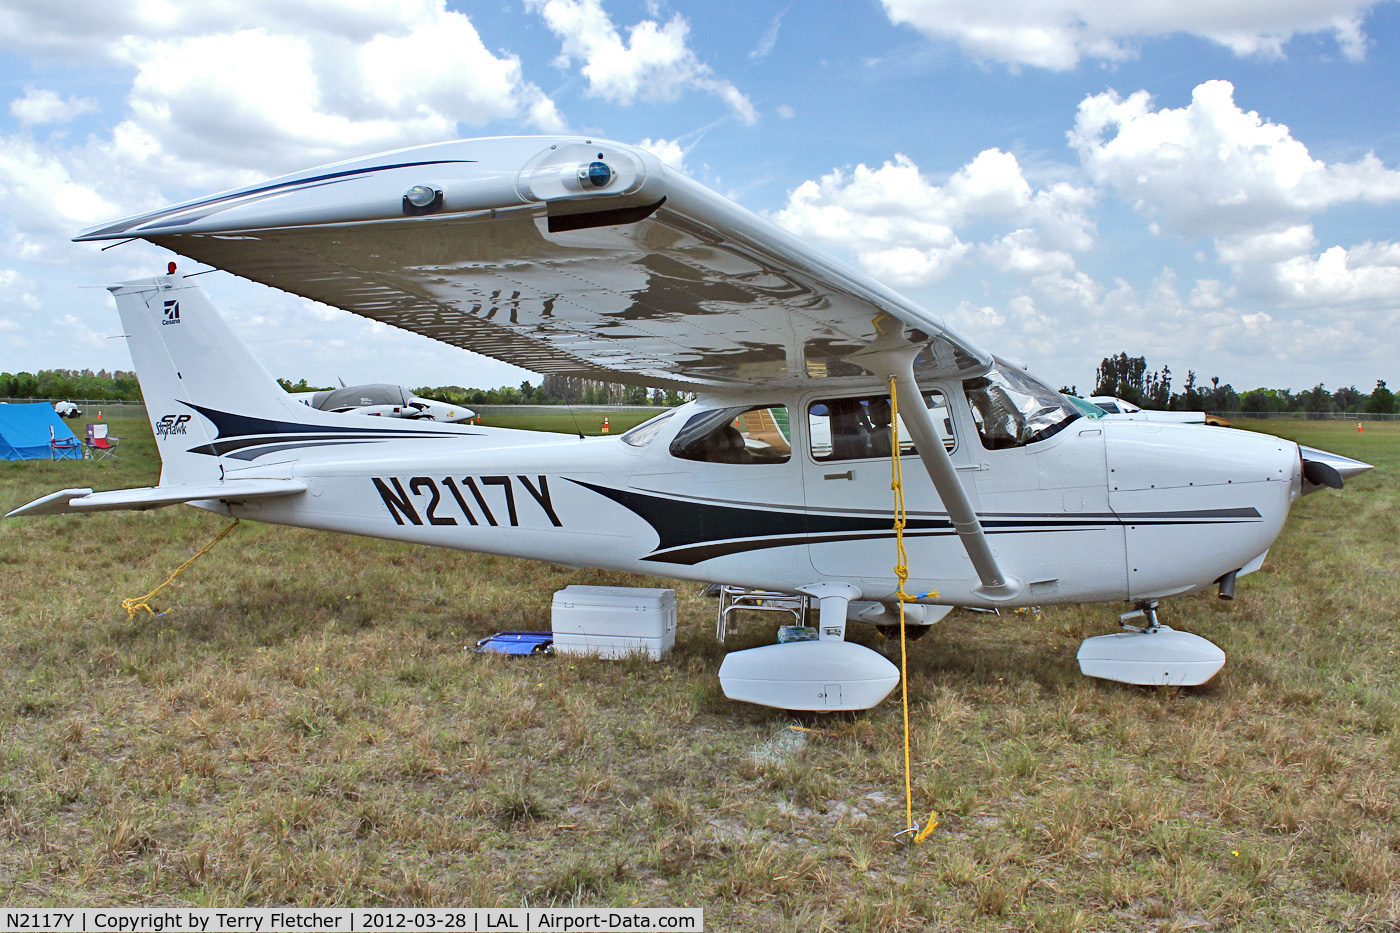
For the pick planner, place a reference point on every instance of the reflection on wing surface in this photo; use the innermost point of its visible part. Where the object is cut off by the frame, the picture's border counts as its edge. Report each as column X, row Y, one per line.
column 660, row 282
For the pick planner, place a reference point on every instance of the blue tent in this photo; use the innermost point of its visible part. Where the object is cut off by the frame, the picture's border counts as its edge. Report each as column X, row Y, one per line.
column 24, row 433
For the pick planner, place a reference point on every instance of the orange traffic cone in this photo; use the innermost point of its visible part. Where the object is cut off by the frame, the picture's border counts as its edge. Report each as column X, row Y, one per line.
column 1358, row 427
column 605, row 424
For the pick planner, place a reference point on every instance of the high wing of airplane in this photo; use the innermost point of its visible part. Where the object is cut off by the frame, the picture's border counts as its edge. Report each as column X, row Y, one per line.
column 578, row 256
column 385, row 401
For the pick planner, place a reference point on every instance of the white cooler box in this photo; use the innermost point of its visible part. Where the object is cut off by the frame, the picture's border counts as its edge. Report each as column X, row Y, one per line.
column 613, row 621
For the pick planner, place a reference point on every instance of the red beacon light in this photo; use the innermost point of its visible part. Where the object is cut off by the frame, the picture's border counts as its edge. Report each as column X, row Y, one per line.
column 170, row 269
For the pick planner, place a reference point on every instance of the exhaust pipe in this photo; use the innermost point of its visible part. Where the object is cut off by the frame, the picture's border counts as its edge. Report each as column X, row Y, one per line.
column 1227, row 585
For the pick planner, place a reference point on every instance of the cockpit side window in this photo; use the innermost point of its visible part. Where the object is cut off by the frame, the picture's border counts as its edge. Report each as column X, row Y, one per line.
column 736, row 435
column 859, row 428
column 1012, row 409
column 644, row 433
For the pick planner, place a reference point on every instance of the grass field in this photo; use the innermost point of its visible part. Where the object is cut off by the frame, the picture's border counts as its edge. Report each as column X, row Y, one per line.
column 571, row 421
column 302, row 726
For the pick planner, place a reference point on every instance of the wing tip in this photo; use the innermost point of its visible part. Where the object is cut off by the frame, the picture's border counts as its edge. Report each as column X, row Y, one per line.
column 50, row 504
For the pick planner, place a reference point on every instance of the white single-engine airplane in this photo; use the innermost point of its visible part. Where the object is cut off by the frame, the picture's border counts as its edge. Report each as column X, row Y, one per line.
column 575, row 256
column 385, row 401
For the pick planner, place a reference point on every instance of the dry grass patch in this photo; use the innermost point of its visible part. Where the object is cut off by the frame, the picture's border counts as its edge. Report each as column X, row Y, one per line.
column 304, row 726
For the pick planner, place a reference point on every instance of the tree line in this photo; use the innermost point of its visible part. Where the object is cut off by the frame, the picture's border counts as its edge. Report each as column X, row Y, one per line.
column 557, row 390
column 553, row 390
column 70, row 384
column 1129, row 378
column 1123, row 376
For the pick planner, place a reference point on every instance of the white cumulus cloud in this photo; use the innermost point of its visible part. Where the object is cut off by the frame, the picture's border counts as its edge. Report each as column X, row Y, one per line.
column 215, row 102
column 45, row 201
column 1058, row 34
column 668, row 151
column 903, row 228
column 654, row 63
column 212, row 103
column 40, row 105
column 314, row 97
column 1366, row 275
column 1211, row 168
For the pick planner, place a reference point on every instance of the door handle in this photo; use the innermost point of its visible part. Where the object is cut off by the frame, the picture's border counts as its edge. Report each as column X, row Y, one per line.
column 847, row 475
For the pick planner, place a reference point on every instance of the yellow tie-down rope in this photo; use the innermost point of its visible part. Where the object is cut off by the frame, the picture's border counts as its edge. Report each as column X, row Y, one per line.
column 140, row 602
column 901, row 572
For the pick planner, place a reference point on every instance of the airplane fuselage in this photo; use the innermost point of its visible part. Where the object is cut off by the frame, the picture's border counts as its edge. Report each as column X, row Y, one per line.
column 1100, row 511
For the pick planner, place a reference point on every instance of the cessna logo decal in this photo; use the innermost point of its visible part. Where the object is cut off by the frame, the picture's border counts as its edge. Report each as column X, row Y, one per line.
column 171, row 424
column 444, row 508
column 172, row 312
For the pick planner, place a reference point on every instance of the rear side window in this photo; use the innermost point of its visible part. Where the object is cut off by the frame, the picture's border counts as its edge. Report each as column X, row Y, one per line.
column 859, row 428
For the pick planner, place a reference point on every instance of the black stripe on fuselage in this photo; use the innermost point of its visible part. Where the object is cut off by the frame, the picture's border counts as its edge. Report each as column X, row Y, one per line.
column 690, row 531
column 246, row 438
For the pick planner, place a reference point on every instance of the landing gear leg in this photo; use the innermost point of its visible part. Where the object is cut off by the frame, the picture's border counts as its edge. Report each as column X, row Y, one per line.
column 1147, row 612
column 832, row 602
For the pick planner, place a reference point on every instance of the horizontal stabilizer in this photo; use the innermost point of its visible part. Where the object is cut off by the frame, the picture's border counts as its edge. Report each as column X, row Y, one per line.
column 69, row 501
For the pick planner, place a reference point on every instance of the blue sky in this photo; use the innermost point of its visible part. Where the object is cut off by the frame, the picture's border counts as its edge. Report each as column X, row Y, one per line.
column 1211, row 183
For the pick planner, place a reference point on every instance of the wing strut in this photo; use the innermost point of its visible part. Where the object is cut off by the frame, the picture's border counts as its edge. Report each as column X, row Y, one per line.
column 898, row 365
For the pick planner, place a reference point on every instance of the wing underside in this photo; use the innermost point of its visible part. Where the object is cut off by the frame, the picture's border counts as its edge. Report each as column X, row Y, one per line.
column 664, row 284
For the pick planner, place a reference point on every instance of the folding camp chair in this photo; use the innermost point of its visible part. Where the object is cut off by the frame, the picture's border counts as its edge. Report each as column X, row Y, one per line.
column 99, row 444
column 59, row 447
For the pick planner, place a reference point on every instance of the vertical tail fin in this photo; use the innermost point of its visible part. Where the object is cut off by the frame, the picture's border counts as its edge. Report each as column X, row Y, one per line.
column 193, row 370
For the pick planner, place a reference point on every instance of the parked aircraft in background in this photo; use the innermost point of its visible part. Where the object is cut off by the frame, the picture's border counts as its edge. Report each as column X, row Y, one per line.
column 1125, row 409
column 581, row 257
column 385, row 400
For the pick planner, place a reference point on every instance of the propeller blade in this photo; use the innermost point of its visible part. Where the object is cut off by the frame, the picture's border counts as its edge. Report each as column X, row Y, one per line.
column 1323, row 468
column 1322, row 474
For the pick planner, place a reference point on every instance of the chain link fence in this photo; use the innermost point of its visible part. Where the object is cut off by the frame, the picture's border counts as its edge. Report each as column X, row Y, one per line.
column 85, row 404
column 1306, row 416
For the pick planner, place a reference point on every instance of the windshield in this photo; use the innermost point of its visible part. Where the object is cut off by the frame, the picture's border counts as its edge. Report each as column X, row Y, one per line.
column 1012, row 408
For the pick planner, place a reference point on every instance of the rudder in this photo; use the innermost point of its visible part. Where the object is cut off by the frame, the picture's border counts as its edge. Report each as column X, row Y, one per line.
column 187, row 361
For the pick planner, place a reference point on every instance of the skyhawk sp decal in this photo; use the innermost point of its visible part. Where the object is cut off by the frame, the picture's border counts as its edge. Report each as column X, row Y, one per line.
column 169, row 425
